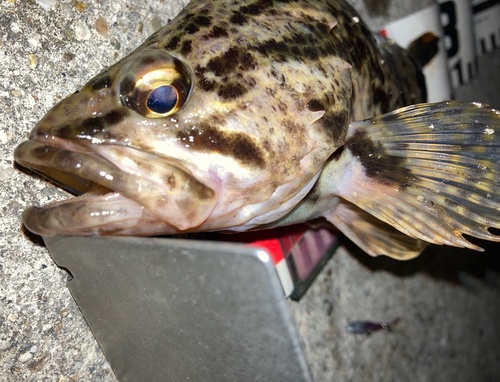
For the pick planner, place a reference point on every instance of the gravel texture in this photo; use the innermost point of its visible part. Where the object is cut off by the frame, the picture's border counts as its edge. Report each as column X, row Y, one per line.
column 448, row 300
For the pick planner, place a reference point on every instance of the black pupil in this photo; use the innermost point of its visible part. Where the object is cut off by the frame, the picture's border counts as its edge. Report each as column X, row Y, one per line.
column 163, row 99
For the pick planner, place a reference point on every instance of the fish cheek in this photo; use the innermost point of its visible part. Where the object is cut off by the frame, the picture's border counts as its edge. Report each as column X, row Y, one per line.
column 188, row 203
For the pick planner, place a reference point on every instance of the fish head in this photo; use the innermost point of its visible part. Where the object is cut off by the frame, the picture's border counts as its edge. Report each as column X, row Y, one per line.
column 169, row 141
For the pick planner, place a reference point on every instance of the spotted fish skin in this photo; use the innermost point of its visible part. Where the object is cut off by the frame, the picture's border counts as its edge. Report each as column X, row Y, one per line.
column 232, row 42
column 259, row 126
column 274, row 87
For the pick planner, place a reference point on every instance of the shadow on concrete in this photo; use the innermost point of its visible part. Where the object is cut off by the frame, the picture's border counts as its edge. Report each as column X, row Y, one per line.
column 441, row 262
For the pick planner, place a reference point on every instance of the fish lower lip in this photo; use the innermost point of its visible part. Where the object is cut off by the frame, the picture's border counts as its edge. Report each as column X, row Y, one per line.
column 181, row 204
column 110, row 214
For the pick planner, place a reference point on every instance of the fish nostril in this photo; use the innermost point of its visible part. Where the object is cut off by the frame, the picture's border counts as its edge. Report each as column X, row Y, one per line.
column 92, row 106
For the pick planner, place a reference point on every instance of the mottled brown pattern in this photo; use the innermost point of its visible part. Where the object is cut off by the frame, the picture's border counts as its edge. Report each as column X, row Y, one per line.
column 304, row 36
column 231, row 90
column 216, row 32
column 272, row 87
column 97, row 127
column 203, row 83
column 236, row 145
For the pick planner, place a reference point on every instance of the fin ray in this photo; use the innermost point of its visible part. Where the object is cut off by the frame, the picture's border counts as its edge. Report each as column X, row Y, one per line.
column 430, row 170
column 372, row 235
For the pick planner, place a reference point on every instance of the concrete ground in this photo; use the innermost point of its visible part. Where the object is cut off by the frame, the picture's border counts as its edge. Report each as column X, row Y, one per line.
column 448, row 299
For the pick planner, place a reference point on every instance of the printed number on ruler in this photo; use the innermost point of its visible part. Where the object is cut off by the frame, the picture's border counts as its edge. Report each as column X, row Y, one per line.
column 458, row 40
column 487, row 25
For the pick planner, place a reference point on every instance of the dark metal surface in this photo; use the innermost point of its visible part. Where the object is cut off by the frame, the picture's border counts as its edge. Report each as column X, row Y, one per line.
column 176, row 310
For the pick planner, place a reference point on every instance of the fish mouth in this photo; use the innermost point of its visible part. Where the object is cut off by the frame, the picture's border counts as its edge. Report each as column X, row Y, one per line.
column 123, row 191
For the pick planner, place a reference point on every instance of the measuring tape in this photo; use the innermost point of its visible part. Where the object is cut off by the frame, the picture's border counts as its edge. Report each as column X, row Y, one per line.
column 467, row 30
column 456, row 19
column 406, row 30
column 486, row 16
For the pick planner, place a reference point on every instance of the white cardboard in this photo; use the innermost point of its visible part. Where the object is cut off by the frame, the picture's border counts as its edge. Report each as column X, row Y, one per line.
column 408, row 29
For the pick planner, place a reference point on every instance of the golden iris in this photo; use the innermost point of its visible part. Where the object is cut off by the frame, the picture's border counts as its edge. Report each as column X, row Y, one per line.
column 161, row 84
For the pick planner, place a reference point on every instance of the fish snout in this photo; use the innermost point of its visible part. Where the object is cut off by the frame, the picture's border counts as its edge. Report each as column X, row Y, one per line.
column 84, row 117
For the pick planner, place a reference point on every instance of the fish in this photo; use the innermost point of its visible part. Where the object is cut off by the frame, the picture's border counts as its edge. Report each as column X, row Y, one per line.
column 248, row 115
column 368, row 327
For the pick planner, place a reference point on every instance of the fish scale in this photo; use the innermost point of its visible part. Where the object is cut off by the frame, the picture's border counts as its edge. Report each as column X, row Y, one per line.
column 275, row 112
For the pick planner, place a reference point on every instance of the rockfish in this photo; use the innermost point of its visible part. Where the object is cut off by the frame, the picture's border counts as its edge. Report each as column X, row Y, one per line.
column 244, row 115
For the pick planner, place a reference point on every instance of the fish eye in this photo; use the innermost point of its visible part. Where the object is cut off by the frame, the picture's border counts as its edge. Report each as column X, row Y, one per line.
column 163, row 99
column 155, row 84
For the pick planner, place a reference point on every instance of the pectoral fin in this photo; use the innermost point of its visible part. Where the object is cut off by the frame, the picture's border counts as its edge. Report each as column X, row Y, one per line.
column 432, row 171
column 373, row 235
